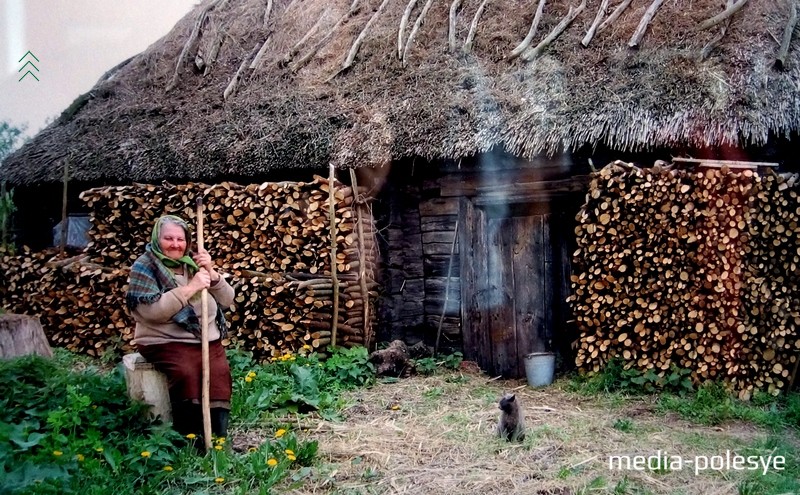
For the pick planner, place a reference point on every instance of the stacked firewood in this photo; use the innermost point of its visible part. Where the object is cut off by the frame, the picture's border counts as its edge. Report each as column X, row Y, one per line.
column 697, row 269
column 79, row 305
column 272, row 239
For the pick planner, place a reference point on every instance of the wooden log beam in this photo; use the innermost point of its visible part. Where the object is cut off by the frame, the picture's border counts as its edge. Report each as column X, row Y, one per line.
column 725, row 14
column 643, row 23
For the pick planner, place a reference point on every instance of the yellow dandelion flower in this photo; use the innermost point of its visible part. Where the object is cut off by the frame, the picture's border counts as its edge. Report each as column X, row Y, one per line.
column 217, row 447
column 191, row 436
column 252, row 374
column 289, row 452
column 395, row 407
column 79, row 457
column 221, row 440
column 145, row 454
column 252, row 449
column 291, row 457
column 272, row 462
column 57, row 453
column 219, row 480
column 248, row 379
column 307, row 347
column 99, row 449
column 167, row 468
column 280, row 433
column 292, row 358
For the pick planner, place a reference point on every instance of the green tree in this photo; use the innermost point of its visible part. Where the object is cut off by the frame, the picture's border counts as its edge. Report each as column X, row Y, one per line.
column 10, row 138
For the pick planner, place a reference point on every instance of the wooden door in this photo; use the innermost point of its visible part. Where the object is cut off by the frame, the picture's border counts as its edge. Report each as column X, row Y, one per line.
column 513, row 282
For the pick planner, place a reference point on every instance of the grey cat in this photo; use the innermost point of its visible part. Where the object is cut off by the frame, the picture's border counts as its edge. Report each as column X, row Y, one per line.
column 512, row 421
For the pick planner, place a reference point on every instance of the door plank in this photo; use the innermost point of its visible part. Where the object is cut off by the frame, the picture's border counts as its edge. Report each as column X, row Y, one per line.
column 527, row 287
column 474, row 282
column 501, row 300
column 549, row 285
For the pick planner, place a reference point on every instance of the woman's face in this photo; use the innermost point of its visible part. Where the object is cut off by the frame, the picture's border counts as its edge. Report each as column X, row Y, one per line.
column 172, row 240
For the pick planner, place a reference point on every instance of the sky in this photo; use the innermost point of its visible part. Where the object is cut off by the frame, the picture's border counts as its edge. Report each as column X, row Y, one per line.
column 75, row 42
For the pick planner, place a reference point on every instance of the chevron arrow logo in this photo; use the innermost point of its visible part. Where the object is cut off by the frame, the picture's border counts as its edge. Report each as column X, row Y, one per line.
column 29, row 65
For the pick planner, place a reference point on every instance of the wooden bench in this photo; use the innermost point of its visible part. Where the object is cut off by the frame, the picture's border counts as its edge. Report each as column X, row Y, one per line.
column 148, row 385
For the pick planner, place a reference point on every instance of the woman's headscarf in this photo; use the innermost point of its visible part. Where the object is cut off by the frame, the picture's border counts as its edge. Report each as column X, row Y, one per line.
column 150, row 278
column 155, row 245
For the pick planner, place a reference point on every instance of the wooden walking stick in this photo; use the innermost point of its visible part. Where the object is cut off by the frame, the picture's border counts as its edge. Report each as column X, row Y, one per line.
column 206, row 402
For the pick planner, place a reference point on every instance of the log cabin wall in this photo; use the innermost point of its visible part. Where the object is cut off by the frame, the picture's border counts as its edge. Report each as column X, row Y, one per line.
column 424, row 227
column 401, row 308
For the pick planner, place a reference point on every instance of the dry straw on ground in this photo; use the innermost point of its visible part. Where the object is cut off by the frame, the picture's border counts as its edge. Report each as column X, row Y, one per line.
column 434, row 435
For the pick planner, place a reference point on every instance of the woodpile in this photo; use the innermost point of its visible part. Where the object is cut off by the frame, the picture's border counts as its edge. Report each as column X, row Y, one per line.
column 273, row 239
column 697, row 269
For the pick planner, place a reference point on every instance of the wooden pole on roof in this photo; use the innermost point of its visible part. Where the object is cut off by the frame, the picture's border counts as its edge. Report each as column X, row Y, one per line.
column 206, row 384
column 334, row 280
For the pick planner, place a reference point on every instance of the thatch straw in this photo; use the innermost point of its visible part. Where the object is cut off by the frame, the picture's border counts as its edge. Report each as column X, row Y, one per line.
column 441, row 104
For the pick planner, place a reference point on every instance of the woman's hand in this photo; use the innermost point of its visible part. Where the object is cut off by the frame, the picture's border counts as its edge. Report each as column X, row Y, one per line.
column 200, row 281
column 203, row 260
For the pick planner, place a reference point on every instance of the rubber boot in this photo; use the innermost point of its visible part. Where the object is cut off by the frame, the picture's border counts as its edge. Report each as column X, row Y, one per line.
column 187, row 418
column 219, row 421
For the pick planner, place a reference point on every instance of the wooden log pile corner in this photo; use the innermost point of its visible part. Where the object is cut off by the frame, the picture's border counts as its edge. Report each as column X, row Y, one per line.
column 273, row 239
column 694, row 268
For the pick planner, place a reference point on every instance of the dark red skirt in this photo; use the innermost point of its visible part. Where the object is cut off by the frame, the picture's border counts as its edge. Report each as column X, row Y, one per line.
column 183, row 366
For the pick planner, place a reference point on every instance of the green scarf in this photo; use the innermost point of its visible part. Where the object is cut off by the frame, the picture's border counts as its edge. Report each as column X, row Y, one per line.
column 155, row 246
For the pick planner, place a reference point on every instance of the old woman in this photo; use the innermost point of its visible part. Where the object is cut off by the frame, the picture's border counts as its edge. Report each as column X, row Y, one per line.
column 163, row 297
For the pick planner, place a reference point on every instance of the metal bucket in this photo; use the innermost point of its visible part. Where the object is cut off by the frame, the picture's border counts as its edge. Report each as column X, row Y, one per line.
column 540, row 368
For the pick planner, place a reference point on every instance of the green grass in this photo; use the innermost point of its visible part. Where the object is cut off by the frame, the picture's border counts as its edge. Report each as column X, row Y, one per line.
column 713, row 405
column 67, row 426
column 709, row 405
column 774, row 481
column 624, row 425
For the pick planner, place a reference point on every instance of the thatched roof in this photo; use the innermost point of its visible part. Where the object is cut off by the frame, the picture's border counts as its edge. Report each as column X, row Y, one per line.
column 173, row 111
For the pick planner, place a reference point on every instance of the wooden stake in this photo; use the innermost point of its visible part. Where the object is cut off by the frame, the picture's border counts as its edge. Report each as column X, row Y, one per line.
column 474, row 27
column 531, row 33
column 648, row 16
column 451, row 32
column 206, row 401
column 64, row 222
column 362, row 267
column 446, row 290
column 729, row 11
column 565, row 22
column 3, row 221
column 334, row 280
column 597, row 19
column 780, row 60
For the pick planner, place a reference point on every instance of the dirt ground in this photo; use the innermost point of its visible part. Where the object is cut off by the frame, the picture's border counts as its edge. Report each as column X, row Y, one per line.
column 435, row 435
